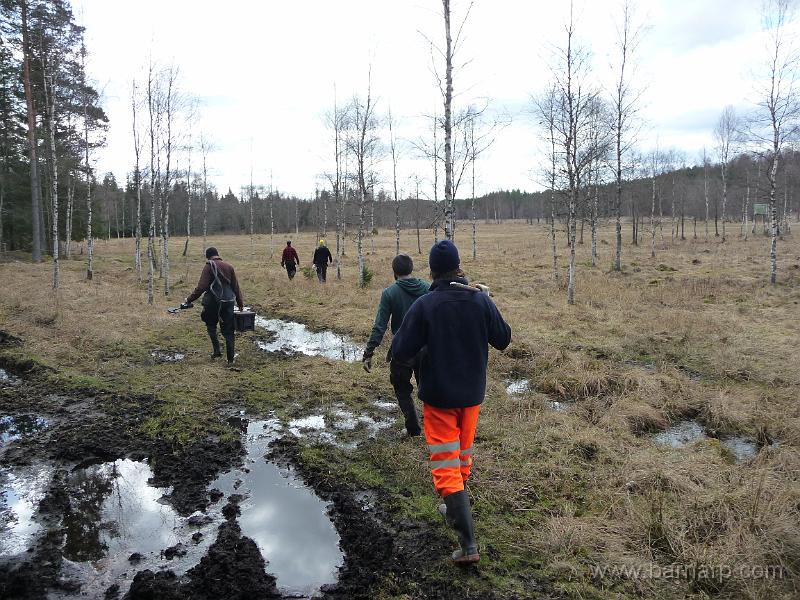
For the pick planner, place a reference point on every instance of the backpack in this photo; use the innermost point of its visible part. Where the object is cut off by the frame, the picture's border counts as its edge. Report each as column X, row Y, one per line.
column 220, row 288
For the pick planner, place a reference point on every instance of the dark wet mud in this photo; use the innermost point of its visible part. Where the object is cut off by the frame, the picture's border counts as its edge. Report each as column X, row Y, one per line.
column 92, row 508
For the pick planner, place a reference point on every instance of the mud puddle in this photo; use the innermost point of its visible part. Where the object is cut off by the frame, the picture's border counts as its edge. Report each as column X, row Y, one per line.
column 21, row 491
column 289, row 337
column 15, row 427
column 117, row 524
column 519, row 387
column 686, row 433
column 165, row 356
column 7, row 379
column 285, row 518
column 333, row 428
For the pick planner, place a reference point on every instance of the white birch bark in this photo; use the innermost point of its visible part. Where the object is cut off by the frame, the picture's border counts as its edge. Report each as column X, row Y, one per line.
column 137, row 182
column 50, row 99
column 394, row 187
column 89, row 235
column 705, row 187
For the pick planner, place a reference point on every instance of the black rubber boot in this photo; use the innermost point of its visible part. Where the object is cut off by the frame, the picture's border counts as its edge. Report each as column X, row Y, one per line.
column 212, row 333
column 410, row 413
column 229, row 351
column 459, row 515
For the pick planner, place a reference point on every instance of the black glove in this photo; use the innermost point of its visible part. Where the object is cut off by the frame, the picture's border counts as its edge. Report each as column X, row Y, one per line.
column 366, row 361
column 185, row 305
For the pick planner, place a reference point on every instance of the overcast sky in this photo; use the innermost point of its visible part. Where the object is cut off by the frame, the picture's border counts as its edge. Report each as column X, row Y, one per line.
column 264, row 72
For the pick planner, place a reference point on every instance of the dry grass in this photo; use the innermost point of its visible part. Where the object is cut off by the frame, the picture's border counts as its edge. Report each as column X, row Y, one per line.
column 694, row 333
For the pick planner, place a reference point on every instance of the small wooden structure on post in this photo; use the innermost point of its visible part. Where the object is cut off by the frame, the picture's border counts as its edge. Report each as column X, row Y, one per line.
column 760, row 210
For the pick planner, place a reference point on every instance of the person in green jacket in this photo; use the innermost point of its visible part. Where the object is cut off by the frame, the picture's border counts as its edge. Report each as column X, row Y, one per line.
column 395, row 302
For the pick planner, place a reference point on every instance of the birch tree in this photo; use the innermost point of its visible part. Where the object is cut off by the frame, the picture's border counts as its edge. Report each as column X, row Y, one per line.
column 394, row 186
column 625, row 100
column 448, row 54
column 137, row 182
column 171, row 106
column 363, row 143
column 89, row 234
column 36, row 191
column 546, row 107
column 576, row 100
column 777, row 114
column 205, row 148
column 705, row 187
column 153, row 113
column 50, row 100
column 724, row 134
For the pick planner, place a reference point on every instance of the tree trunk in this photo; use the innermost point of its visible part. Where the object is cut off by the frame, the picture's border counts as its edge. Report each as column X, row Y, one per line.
column 773, row 213
column 416, row 211
column 68, row 219
column 36, row 191
column 205, row 200
column 449, row 208
column 594, row 220
column 705, row 188
column 472, row 212
column 50, row 100
column 394, row 186
column 189, row 202
column 724, row 198
column 553, row 230
column 672, row 211
column 572, row 238
column 653, row 215
column 89, row 235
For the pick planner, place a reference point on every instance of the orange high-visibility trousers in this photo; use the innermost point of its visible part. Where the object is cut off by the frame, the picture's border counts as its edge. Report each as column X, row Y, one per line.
column 449, row 433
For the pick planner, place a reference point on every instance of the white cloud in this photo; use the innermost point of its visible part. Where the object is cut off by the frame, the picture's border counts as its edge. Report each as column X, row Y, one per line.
column 265, row 71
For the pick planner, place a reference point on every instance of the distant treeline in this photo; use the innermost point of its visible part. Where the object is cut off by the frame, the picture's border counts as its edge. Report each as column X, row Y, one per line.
column 681, row 191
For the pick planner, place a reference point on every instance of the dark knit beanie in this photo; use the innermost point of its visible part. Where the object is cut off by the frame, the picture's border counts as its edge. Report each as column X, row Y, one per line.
column 211, row 252
column 444, row 257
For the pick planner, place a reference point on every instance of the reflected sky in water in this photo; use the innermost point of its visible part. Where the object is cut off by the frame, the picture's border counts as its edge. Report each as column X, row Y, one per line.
column 15, row 427
column 115, row 501
column 291, row 337
column 21, row 490
column 285, row 518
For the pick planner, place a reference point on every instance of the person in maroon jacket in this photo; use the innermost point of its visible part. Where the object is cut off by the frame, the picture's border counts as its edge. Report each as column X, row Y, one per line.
column 220, row 290
column 290, row 260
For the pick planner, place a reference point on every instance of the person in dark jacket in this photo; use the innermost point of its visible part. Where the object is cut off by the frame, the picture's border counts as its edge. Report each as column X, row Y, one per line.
column 322, row 257
column 454, row 324
column 290, row 260
column 220, row 290
column 395, row 302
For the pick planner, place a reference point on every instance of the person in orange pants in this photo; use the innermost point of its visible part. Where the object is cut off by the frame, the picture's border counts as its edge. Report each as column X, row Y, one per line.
column 453, row 326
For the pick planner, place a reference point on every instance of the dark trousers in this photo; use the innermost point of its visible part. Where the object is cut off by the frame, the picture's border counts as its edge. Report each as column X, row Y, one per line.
column 400, row 373
column 291, row 270
column 322, row 272
column 219, row 312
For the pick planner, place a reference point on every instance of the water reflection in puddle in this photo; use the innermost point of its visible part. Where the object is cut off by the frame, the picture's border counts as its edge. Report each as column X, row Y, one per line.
column 741, row 448
column 114, row 513
column 21, row 491
column 15, row 427
column 7, row 379
column 285, row 518
column 324, row 430
column 165, row 356
column 685, row 433
column 518, row 387
column 680, row 434
column 292, row 338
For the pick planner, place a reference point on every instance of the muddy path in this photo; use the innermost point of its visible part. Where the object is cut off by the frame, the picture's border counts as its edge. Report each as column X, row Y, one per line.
column 81, row 485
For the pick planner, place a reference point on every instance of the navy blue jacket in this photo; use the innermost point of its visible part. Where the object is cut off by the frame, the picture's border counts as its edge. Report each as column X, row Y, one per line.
column 454, row 326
